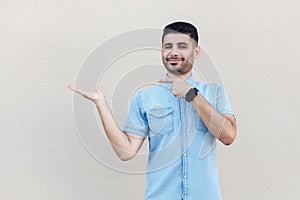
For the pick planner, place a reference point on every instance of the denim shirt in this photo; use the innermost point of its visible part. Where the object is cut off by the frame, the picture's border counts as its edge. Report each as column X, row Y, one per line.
column 182, row 152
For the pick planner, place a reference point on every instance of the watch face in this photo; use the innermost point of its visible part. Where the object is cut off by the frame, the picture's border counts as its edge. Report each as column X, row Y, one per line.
column 190, row 95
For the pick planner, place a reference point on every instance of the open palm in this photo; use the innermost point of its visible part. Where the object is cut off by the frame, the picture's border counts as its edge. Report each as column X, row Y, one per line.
column 95, row 96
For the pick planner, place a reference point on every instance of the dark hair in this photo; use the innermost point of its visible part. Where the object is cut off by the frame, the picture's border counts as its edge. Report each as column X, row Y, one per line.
column 181, row 27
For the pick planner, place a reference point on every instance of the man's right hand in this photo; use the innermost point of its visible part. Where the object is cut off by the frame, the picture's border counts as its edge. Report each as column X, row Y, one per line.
column 97, row 96
column 125, row 144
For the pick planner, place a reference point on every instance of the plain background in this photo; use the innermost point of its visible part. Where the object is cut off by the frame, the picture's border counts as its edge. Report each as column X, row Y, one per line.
column 255, row 45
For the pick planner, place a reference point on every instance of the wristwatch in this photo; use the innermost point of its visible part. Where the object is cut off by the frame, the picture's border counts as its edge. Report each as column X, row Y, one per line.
column 191, row 94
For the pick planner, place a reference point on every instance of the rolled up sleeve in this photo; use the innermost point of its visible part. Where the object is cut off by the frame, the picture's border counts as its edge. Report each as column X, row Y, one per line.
column 223, row 102
column 136, row 121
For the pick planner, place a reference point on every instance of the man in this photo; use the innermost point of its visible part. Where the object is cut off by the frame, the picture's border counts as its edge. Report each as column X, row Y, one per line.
column 181, row 118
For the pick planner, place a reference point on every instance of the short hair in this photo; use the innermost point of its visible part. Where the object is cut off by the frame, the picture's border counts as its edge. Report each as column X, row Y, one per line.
column 181, row 27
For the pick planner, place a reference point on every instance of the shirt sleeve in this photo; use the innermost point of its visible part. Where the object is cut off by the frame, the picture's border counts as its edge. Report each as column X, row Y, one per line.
column 223, row 102
column 136, row 121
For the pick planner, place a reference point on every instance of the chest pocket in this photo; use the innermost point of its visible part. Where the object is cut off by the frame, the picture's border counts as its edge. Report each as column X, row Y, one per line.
column 199, row 123
column 161, row 120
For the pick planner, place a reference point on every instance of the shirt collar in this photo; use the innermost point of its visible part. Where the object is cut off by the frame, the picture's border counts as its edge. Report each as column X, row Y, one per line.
column 190, row 79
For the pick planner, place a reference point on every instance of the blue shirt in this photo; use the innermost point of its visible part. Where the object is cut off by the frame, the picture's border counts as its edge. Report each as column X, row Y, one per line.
column 182, row 152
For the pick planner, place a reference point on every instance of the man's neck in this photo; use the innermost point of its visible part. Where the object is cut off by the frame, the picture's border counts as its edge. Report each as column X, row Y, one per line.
column 181, row 76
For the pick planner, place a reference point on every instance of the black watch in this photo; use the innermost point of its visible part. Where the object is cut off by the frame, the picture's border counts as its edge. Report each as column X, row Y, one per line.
column 191, row 94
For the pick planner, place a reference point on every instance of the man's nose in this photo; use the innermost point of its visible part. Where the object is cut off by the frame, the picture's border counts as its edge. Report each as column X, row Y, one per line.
column 173, row 52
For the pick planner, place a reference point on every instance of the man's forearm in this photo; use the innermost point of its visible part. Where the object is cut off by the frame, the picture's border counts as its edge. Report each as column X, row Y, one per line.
column 219, row 125
column 118, row 139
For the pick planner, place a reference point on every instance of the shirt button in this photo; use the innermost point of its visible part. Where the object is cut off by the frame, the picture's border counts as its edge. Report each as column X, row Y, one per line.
column 182, row 114
column 184, row 197
column 184, row 176
column 184, row 155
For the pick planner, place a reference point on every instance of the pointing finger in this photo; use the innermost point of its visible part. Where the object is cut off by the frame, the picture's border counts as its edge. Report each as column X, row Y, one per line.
column 166, row 81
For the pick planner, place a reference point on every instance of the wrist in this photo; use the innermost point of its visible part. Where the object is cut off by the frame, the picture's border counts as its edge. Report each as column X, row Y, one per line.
column 100, row 102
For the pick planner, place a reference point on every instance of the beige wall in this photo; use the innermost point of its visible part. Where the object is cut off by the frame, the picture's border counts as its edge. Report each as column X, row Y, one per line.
column 43, row 44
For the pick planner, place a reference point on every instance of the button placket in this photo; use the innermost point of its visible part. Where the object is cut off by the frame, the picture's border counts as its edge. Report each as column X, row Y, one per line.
column 184, row 148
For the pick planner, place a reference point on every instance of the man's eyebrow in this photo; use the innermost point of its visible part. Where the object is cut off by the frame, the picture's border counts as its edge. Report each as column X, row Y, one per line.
column 182, row 43
column 167, row 44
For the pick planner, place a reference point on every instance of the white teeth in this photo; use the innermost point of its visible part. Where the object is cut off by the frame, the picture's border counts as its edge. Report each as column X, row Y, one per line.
column 174, row 60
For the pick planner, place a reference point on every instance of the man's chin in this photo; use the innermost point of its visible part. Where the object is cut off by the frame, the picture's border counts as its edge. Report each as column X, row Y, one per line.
column 174, row 69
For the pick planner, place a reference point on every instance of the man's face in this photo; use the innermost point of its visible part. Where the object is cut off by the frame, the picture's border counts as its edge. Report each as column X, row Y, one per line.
column 178, row 53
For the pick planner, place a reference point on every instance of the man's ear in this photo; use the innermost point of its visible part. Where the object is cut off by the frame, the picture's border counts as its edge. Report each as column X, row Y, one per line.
column 197, row 51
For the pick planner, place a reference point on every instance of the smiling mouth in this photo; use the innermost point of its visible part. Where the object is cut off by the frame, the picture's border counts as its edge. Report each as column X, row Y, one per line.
column 174, row 61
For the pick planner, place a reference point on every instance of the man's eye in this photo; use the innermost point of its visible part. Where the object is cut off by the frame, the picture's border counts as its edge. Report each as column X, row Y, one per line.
column 182, row 47
column 167, row 47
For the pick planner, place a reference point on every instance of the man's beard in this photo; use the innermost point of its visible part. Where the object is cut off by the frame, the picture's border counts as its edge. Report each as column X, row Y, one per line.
column 181, row 70
column 177, row 71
